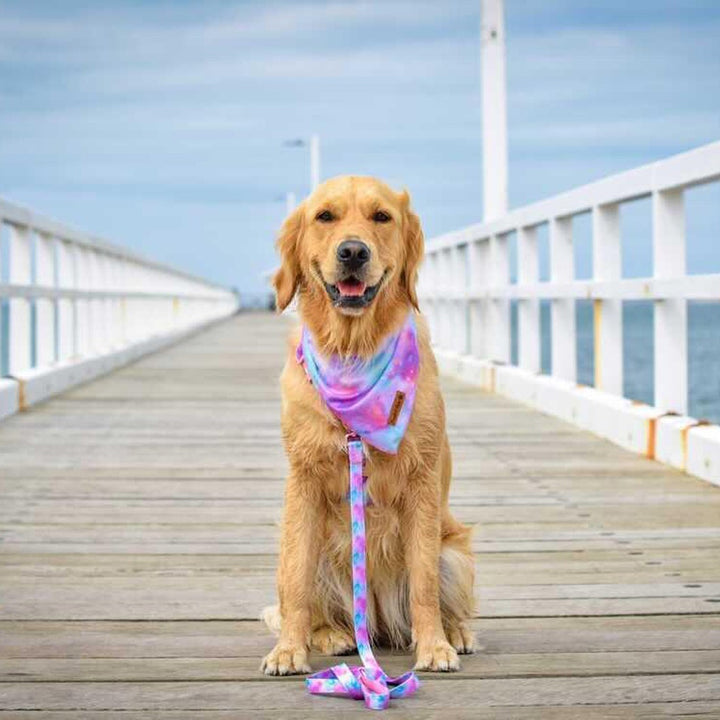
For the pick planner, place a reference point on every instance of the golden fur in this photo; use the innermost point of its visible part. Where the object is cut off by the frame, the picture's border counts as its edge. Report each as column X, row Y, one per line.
column 420, row 565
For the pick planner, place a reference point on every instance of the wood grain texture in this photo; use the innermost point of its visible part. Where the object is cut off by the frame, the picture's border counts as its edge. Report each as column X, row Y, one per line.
column 138, row 542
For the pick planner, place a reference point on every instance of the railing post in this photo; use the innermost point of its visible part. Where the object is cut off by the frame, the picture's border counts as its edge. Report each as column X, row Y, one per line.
column 607, row 313
column 96, row 320
column 478, row 251
column 20, row 271
column 124, row 284
column 105, row 282
column 133, row 305
column 671, row 375
column 144, row 311
column 459, row 305
column 66, row 306
column 445, row 335
column 44, row 307
column 528, row 308
column 427, row 284
column 83, row 339
column 499, row 307
column 169, row 303
column 117, row 338
column 2, row 334
column 563, row 348
column 437, row 290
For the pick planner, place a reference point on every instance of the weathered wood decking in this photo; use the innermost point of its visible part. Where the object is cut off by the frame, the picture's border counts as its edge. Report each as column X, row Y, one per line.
column 139, row 544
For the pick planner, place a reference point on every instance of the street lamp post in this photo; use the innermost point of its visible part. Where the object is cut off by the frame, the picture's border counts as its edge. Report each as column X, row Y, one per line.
column 314, row 162
column 494, row 112
column 314, row 156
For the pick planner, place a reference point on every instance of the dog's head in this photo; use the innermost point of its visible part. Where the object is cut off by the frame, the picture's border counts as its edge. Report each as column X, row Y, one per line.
column 352, row 249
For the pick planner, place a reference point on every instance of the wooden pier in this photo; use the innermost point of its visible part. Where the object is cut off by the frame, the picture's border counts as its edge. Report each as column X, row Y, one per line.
column 139, row 543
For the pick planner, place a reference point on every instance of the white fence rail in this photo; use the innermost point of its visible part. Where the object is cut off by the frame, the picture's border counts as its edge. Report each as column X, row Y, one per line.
column 466, row 289
column 75, row 306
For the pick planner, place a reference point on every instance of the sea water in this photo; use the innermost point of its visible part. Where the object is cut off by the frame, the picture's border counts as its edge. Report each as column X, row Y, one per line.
column 638, row 352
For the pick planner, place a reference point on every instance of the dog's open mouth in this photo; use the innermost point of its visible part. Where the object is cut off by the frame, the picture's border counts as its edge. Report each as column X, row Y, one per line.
column 351, row 292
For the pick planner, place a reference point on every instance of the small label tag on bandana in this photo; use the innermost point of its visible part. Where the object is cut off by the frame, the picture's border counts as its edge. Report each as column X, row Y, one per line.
column 397, row 405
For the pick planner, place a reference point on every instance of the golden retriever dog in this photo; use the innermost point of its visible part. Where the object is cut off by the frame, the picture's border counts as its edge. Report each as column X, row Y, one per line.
column 351, row 252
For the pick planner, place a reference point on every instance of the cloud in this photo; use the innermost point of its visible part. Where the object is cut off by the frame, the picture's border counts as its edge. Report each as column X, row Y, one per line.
column 147, row 33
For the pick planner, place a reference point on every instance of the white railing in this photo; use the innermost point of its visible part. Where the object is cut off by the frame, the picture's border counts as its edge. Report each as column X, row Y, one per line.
column 71, row 297
column 466, row 288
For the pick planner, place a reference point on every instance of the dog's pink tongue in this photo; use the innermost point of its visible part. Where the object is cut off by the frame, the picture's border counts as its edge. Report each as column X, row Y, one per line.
column 354, row 288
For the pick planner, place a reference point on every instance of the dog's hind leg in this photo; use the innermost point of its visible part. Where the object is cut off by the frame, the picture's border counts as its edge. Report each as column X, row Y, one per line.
column 457, row 577
column 332, row 641
column 332, row 629
column 325, row 639
column 270, row 615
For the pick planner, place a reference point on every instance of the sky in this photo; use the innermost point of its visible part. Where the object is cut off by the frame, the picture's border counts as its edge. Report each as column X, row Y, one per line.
column 161, row 125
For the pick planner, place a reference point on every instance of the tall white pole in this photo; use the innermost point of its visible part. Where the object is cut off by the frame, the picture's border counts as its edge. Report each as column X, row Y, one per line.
column 314, row 162
column 290, row 202
column 494, row 110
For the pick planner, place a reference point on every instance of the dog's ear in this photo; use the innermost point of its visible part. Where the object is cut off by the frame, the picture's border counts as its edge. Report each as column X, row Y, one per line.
column 287, row 277
column 414, row 242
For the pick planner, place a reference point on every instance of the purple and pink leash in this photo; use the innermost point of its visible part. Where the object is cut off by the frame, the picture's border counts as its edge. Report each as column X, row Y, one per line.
column 373, row 398
column 366, row 682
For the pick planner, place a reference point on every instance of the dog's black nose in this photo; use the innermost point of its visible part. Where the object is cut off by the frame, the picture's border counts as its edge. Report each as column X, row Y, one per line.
column 353, row 254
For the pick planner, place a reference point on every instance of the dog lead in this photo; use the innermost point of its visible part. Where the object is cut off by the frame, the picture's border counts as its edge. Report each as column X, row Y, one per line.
column 369, row 681
column 374, row 401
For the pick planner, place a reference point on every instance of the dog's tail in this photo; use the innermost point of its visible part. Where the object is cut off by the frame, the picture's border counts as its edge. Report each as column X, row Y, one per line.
column 270, row 615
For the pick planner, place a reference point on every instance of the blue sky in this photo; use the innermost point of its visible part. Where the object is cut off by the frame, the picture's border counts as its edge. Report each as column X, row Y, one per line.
column 160, row 125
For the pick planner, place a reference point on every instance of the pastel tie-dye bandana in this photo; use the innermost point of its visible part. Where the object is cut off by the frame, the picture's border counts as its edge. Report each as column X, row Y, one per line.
column 374, row 400
column 374, row 397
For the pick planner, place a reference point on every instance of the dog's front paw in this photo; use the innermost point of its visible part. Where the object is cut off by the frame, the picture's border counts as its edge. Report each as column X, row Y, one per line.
column 286, row 659
column 438, row 656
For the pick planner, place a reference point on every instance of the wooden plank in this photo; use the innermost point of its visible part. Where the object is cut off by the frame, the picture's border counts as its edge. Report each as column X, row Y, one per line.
column 491, row 492
column 698, row 517
column 283, row 694
column 165, row 541
column 170, row 639
column 482, row 665
column 493, row 569
column 234, row 598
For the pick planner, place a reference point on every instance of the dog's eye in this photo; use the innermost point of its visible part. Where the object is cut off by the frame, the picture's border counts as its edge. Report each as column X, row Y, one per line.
column 381, row 217
column 325, row 216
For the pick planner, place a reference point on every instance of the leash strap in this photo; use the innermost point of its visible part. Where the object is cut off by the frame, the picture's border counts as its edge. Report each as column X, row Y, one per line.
column 366, row 682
